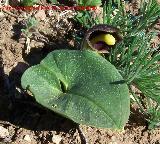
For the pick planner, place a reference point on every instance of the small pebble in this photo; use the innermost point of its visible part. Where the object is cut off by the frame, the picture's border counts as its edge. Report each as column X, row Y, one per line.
column 56, row 139
column 27, row 138
column 3, row 132
column 2, row 14
column 40, row 15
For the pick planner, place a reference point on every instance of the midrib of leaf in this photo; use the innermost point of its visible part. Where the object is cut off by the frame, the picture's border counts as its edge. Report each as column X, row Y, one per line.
column 55, row 88
column 50, row 70
column 60, row 71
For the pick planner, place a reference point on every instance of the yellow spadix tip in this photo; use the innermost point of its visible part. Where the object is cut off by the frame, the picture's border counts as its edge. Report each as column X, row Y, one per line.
column 107, row 38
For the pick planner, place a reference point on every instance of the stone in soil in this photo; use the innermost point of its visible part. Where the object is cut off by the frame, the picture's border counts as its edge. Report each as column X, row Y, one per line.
column 3, row 132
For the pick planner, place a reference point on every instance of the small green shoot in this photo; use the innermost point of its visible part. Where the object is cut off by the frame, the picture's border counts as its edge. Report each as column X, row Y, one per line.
column 89, row 2
column 28, row 31
column 54, row 1
column 29, row 2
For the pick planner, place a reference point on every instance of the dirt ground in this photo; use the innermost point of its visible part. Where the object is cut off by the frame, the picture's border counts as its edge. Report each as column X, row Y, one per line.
column 22, row 120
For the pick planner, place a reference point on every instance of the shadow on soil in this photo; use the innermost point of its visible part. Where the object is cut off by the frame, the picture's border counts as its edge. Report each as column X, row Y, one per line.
column 137, row 119
column 22, row 110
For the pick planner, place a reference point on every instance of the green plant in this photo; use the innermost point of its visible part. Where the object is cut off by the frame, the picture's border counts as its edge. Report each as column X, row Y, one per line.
column 154, row 115
column 54, row 1
column 86, row 19
column 29, row 2
column 28, row 31
column 137, row 61
column 30, row 24
column 134, row 57
column 114, row 14
column 82, row 86
column 89, row 2
column 81, row 2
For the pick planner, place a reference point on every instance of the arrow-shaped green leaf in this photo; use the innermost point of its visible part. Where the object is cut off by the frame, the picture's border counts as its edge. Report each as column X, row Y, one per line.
column 82, row 86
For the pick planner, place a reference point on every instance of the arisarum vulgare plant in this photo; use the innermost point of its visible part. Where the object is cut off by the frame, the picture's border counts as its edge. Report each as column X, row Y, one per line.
column 82, row 86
